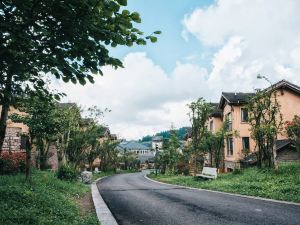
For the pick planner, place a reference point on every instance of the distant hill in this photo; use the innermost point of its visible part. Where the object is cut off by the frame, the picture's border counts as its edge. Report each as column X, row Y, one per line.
column 181, row 132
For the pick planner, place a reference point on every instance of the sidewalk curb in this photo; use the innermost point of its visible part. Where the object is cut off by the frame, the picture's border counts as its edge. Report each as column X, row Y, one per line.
column 103, row 213
column 226, row 193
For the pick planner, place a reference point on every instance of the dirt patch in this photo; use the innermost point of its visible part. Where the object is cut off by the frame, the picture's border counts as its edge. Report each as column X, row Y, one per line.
column 86, row 204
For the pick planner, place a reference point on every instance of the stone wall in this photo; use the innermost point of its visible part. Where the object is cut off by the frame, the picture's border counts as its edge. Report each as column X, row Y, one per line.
column 12, row 141
column 52, row 160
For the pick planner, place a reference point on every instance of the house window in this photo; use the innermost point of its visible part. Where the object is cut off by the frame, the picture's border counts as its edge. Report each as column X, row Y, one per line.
column 228, row 117
column 246, row 143
column 211, row 125
column 230, row 145
column 244, row 114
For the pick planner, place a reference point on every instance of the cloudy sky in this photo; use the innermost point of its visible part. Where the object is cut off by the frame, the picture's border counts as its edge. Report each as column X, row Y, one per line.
column 206, row 47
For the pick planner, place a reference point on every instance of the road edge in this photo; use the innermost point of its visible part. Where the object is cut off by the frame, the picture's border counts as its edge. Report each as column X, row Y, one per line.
column 104, row 215
column 226, row 193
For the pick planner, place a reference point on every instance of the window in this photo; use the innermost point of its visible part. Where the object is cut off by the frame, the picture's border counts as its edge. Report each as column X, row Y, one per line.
column 244, row 114
column 228, row 117
column 230, row 145
column 211, row 125
column 246, row 144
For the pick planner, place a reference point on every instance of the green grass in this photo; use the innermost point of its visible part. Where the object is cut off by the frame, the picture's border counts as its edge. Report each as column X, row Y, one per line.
column 47, row 201
column 283, row 184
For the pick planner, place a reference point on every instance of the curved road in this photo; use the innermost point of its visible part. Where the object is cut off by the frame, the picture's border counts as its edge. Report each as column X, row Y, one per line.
column 134, row 200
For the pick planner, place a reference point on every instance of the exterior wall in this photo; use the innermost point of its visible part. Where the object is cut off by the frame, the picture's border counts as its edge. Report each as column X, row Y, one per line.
column 217, row 124
column 240, row 129
column 159, row 144
column 289, row 107
column 12, row 139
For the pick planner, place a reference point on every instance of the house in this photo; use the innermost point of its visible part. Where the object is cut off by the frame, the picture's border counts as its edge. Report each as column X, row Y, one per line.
column 214, row 122
column 14, row 131
column 157, row 142
column 142, row 152
column 238, row 142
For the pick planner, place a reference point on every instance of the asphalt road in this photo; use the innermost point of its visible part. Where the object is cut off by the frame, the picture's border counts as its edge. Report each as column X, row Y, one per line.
column 134, row 200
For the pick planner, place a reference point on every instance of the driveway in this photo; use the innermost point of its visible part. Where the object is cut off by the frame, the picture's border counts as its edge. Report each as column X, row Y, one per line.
column 134, row 200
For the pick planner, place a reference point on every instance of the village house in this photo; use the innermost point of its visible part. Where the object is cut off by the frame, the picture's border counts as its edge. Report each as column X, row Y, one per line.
column 143, row 153
column 13, row 137
column 157, row 142
column 238, row 142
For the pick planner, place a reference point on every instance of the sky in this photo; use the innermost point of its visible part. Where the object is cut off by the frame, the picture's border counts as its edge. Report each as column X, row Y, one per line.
column 206, row 47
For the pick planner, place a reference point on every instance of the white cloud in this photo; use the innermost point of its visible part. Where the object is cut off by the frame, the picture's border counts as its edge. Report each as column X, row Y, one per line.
column 142, row 97
column 251, row 37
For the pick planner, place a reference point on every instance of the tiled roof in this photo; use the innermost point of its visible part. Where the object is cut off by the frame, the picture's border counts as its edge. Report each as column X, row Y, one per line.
column 217, row 112
column 282, row 143
column 157, row 138
column 284, row 84
column 133, row 145
column 235, row 98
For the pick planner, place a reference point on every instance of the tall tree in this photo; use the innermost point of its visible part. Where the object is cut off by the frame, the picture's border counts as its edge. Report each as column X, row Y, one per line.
column 265, row 119
column 67, row 39
column 199, row 114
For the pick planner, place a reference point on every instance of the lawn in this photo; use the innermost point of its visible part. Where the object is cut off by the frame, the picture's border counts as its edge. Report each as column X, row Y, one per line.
column 283, row 184
column 47, row 201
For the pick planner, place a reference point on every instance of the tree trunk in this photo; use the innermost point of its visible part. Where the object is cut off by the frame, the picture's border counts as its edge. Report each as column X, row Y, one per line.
column 28, row 160
column 274, row 156
column 5, row 107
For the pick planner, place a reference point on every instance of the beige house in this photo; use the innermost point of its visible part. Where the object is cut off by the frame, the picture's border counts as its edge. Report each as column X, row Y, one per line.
column 12, row 141
column 238, row 142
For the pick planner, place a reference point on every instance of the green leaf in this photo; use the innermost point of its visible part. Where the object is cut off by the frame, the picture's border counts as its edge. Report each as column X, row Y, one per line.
column 81, row 80
column 122, row 2
column 136, row 17
column 65, row 79
column 125, row 12
column 74, row 80
column 57, row 97
column 90, row 78
column 157, row 32
column 153, row 39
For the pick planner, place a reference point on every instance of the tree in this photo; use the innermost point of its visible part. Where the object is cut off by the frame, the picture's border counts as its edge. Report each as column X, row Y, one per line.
column 170, row 156
column 215, row 144
column 70, row 117
column 293, row 131
column 265, row 119
column 67, row 39
column 199, row 114
column 43, row 123
column 108, row 155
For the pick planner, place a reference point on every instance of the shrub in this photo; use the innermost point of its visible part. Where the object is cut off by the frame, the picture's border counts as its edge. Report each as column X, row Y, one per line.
column 67, row 172
column 12, row 162
column 237, row 171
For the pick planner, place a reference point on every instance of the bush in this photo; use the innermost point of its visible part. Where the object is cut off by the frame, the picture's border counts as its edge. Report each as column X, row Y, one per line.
column 237, row 171
column 12, row 162
column 67, row 172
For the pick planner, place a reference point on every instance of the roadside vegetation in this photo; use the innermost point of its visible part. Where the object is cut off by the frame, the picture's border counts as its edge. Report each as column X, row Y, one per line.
column 281, row 184
column 47, row 200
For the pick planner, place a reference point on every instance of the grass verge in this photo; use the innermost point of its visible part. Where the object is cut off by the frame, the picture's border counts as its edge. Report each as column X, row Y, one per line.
column 283, row 184
column 47, row 201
